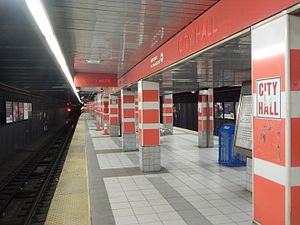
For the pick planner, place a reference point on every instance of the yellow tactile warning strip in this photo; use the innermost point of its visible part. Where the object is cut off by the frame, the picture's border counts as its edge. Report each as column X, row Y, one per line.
column 70, row 204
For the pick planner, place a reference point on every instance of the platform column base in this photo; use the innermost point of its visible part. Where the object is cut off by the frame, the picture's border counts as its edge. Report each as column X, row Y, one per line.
column 149, row 158
column 168, row 128
column 114, row 130
column 128, row 142
column 205, row 140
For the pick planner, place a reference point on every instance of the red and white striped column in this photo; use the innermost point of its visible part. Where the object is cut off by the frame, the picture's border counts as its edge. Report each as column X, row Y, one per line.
column 168, row 114
column 276, row 121
column 105, row 111
column 205, row 119
column 149, row 124
column 128, row 120
column 136, row 103
column 97, row 111
column 114, row 126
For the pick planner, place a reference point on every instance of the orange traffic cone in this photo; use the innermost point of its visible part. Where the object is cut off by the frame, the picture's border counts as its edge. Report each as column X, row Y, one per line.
column 105, row 130
column 97, row 126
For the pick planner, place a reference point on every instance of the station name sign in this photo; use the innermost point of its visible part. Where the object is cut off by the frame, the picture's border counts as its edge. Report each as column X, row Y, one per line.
column 196, row 35
column 268, row 98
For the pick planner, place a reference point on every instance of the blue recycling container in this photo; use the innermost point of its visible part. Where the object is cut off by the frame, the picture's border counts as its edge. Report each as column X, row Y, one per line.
column 226, row 156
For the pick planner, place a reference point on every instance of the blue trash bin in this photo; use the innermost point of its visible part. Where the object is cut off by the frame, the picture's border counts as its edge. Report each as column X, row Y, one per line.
column 226, row 156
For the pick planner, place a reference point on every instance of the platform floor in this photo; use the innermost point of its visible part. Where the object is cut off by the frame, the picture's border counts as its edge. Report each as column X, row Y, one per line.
column 191, row 188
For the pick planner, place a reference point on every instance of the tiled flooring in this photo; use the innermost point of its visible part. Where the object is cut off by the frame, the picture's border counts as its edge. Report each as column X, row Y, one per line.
column 192, row 189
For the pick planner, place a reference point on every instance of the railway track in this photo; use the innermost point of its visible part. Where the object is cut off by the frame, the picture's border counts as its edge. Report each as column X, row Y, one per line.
column 26, row 196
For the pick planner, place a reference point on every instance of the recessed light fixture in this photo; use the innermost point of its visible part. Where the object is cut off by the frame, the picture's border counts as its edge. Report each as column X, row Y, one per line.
column 40, row 16
column 93, row 61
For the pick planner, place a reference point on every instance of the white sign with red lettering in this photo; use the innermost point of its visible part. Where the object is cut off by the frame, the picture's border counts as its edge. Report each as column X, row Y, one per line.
column 268, row 98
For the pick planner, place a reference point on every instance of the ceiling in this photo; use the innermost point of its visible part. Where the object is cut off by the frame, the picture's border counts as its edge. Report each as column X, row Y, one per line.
column 25, row 62
column 228, row 64
column 118, row 34
column 112, row 36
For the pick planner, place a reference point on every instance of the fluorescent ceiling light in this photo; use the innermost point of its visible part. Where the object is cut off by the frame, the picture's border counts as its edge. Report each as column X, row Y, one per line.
column 93, row 61
column 39, row 14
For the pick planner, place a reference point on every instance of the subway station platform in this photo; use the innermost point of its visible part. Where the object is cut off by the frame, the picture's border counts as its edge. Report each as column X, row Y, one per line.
column 191, row 188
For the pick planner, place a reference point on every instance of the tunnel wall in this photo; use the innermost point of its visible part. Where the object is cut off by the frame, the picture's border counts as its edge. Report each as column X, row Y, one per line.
column 14, row 137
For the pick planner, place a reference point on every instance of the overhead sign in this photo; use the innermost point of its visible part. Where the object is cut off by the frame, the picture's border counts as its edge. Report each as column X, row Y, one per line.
column 268, row 98
column 156, row 60
column 95, row 80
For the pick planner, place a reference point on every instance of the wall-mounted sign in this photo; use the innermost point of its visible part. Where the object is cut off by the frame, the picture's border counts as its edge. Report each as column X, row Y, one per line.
column 244, row 123
column 26, row 111
column 29, row 110
column 15, row 111
column 9, row 112
column 268, row 98
column 243, row 129
column 156, row 60
column 21, row 111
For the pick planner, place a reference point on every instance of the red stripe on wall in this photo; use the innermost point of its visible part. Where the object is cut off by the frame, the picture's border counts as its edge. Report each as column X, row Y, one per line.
column 151, row 137
column 269, row 67
column 151, row 116
column 150, row 96
column 269, row 140
column 295, row 142
column 128, row 127
column 269, row 202
column 128, row 113
column 295, row 205
column 295, row 70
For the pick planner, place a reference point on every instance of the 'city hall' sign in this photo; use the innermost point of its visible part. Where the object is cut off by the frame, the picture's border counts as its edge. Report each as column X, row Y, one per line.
column 268, row 98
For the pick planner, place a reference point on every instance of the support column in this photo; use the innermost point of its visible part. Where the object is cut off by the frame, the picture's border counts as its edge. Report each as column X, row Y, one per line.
column 205, row 119
column 101, row 110
column 97, row 111
column 114, row 126
column 128, row 121
column 276, row 121
column 136, row 112
column 168, row 114
column 149, row 134
column 105, row 111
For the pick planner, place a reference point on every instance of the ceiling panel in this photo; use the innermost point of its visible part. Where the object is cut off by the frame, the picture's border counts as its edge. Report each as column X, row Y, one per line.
column 117, row 34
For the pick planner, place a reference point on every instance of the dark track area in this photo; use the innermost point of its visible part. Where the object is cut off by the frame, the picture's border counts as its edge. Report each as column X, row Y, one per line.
column 26, row 194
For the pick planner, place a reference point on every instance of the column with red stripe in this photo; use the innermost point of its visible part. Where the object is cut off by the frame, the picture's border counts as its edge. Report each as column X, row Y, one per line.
column 168, row 114
column 136, row 111
column 149, row 124
column 205, row 119
column 105, row 111
column 128, row 120
column 114, row 126
column 276, row 121
column 101, row 110
column 97, row 111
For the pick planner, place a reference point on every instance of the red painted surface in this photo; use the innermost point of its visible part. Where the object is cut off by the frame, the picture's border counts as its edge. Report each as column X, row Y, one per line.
column 95, row 80
column 223, row 20
column 150, row 116
column 269, row 140
column 295, row 142
column 295, row 205
column 295, row 70
column 268, row 68
column 151, row 137
column 269, row 202
column 128, row 127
